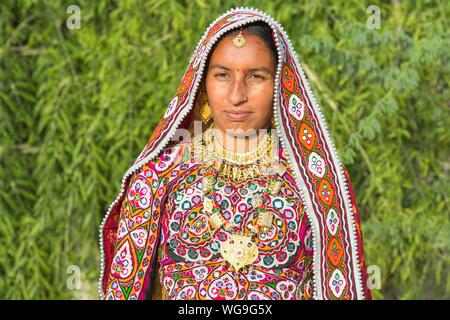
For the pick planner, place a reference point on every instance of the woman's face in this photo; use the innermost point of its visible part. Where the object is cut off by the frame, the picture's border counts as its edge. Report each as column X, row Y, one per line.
column 240, row 84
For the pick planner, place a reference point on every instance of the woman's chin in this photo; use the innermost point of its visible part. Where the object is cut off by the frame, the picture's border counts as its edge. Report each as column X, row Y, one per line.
column 240, row 127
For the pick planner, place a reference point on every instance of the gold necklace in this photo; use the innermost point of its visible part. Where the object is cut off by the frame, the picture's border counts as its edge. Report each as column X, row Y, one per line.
column 240, row 250
column 260, row 152
column 236, row 167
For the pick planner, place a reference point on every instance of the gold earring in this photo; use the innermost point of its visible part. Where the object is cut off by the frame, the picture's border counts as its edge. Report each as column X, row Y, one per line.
column 205, row 112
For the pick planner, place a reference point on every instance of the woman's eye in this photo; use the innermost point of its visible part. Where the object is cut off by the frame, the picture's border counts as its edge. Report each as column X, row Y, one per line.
column 221, row 75
column 256, row 76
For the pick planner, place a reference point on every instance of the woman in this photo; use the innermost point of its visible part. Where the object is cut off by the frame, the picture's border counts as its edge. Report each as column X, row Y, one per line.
column 239, row 193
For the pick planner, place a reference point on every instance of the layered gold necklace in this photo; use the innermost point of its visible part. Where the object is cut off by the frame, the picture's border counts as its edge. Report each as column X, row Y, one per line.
column 240, row 250
column 235, row 167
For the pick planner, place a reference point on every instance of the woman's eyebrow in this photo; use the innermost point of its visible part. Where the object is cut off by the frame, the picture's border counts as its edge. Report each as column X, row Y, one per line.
column 263, row 69
column 219, row 66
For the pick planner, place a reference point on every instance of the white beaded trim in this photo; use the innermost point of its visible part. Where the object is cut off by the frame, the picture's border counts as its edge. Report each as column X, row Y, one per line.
column 347, row 200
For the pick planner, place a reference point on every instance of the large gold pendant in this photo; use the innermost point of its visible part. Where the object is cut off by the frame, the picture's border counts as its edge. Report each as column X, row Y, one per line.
column 239, row 251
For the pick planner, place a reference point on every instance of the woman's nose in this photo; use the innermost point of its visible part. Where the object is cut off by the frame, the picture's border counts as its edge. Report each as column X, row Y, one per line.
column 238, row 92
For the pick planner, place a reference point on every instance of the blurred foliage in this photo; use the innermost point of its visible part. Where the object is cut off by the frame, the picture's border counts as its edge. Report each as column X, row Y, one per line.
column 77, row 106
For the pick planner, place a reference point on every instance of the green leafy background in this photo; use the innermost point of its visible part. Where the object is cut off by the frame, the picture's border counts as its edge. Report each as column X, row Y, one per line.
column 77, row 106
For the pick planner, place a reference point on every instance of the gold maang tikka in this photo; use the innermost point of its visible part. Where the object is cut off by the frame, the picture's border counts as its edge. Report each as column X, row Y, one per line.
column 239, row 40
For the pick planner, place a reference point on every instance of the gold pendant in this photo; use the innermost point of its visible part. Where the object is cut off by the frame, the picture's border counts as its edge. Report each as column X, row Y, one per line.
column 264, row 222
column 207, row 205
column 239, row 251
column 257, row 201
column 280, row 168
column 265, row 219
column 216, row 220
column 239, row 40
column 275, row 187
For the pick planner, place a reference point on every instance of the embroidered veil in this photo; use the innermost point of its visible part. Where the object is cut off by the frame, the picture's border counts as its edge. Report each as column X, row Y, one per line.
column 338, row 264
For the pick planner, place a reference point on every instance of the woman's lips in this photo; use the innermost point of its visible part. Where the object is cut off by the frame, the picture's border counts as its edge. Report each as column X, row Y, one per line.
column 237, row 115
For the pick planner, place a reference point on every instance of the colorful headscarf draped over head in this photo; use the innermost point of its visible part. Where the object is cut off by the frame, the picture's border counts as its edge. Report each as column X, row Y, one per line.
column 338, row 261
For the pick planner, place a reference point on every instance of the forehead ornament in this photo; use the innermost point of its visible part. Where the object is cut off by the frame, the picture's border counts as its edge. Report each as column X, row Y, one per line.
column 239, row 40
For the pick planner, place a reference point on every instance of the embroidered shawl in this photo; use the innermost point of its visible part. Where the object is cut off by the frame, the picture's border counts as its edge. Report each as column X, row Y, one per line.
column 338, row 259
